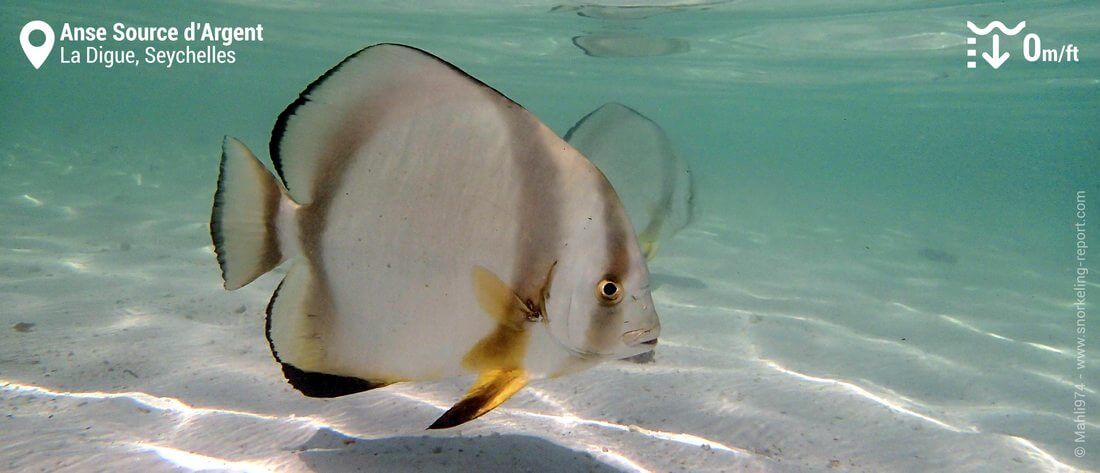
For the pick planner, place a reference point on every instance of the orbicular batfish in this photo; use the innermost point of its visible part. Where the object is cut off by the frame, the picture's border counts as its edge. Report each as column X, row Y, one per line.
column 655, row 184
column 433, row 228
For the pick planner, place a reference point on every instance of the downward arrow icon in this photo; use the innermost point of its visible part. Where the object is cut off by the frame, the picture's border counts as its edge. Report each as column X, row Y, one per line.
column 997, row 58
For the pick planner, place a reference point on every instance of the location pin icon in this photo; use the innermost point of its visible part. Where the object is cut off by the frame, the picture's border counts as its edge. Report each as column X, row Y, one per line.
column 36, row 54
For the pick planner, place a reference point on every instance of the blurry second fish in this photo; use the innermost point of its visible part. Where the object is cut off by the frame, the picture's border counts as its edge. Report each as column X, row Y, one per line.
column 653, row 182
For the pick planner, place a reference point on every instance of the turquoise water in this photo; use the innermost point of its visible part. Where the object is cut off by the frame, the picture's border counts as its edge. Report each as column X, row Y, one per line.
column 880, row 276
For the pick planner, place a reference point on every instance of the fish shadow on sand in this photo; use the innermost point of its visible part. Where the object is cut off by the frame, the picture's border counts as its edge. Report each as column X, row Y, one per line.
column 644, row 358
column 331, row 451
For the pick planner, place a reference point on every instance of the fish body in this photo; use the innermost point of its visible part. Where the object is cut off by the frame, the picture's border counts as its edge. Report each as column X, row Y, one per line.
column 433, row 228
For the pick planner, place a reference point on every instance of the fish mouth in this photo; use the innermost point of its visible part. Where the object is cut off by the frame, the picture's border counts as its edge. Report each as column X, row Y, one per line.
column 648, row 336
column 638, row 342
column 632, row 349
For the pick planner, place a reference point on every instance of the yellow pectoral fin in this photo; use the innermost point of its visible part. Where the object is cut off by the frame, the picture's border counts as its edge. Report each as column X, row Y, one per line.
column 649, row 248
column 648, row 239
column 491, row 388
column 497, row 299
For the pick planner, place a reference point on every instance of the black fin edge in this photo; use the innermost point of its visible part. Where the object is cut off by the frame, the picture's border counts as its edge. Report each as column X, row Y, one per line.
column 325, row 385
column 461, row 413
column 277, row 132
column 216, row 211
column 309, row 383
column 582, row 48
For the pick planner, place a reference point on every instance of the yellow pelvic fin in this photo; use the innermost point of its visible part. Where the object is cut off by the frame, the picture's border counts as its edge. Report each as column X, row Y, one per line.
column 504, row 348
column 491, row 389
column 498, row 357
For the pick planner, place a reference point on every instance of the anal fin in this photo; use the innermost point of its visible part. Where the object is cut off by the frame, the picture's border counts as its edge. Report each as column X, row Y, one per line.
column 296, row 324
column 491, row 389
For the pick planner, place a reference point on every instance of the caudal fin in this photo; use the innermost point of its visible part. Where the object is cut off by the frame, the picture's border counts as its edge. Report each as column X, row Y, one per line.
column 243, row 223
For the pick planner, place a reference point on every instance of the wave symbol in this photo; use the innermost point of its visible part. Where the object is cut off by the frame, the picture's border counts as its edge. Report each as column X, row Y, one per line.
column 995, row 24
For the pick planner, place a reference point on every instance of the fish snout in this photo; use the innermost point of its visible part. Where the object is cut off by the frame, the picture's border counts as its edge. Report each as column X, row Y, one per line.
column 641, row 325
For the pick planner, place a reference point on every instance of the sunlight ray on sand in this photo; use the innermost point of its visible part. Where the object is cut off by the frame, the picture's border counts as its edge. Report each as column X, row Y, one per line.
column 569, row 419
column 903, row 306
column 195, row 462
column 79, row 265
column 918, row 353
column 32, row 200
column 686, row 439
column 164, row 404
column 867, row 394
column 1064, row 382
column 1052, row 464
column 1006, row 409
column 665, row 300
column 973, row 328
column 901, row 347
column 641, row 369
column 1048, row 348
column 614, row 458
column 131, row 318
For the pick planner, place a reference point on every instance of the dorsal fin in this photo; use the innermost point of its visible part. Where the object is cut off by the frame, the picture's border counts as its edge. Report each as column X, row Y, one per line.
column 334, row 114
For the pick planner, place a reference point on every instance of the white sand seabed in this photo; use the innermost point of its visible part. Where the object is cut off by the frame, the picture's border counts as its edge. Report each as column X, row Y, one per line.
column 782, row 350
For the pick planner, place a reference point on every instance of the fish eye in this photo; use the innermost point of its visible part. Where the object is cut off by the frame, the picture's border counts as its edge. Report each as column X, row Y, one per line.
column 609, row 292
